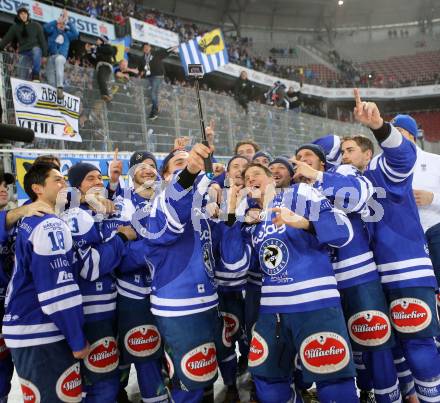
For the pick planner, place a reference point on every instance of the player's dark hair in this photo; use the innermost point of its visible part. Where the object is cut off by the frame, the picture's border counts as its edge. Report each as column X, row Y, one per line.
column 37, row 175
column 53, row 159
column 248, row 141
column 362, row 141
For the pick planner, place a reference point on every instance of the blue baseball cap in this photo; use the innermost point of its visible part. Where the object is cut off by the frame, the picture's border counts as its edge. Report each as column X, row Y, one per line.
column 406, row 122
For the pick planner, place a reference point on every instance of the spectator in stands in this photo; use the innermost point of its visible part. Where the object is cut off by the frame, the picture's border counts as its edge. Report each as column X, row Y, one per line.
column 59, row 34
column 102, row 57
column 123, row 72
column 243, row 90
column 151, row 68
column 293, row 99
column 6, row 179
column 247, row 148
column 31, row 42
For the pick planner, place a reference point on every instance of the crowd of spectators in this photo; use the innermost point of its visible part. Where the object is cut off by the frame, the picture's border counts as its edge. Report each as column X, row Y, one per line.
column 240, row 49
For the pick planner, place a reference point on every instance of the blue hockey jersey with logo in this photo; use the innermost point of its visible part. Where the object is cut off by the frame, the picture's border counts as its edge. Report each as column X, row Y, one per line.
column 348, row 190
column 99, row 257
column 398, row 241
column 43, row 301
column 182, row 257
column 297, row 273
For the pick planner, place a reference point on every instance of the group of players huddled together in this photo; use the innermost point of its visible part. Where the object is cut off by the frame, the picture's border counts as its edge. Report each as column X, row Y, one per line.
column 314, row 263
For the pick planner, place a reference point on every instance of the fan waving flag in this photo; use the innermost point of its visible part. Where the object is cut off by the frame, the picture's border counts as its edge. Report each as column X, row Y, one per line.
column 208, row 50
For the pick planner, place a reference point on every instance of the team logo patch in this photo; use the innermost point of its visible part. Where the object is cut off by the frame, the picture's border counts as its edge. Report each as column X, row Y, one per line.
column 170, row 365
column 69, row 386
column 103, row 356
column 231, row 325
column 258, row 350
column 207, row 259
column 200, row 364
column 324, row 353
column 142, row 341
column 409, row 315
column 273, row 256
column 31, row 394
column 4, row 351
column 369, row 328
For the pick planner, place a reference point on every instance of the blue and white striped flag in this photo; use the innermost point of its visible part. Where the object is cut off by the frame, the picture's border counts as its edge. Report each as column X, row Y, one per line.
column 208, row 50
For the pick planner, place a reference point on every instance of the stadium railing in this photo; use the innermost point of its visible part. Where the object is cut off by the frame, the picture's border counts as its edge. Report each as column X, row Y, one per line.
column 124, row 122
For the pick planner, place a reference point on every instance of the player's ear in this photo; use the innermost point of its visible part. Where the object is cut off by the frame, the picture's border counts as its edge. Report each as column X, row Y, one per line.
column 37, row 189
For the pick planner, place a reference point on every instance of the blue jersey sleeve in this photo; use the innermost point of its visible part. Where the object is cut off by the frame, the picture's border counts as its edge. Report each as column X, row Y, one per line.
column 53, row 276
column 3, row 230
column 97, row 260
column 347, row 188
column 398, row 159
column 170, row 213
column 331, row 225
column 136, row 255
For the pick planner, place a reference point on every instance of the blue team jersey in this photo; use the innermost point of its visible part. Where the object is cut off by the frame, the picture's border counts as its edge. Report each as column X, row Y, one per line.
column 354, row 263
column 101, row 253
column 297, row 273
column 43, row 301
column 398, row 241
column 181, row 256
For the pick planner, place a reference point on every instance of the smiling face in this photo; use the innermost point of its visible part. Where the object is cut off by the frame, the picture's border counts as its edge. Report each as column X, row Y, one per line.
column 53, row 185
column 258, row 181
column 145, row 173
column 93, row 180
column 235, row 170
column 281, row 175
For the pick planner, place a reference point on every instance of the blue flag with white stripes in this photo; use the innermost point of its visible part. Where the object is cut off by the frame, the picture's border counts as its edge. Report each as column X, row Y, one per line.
column 208, row 50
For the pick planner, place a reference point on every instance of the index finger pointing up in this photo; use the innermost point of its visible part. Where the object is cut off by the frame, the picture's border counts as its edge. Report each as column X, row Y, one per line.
column 115, row 155
column 357, row 97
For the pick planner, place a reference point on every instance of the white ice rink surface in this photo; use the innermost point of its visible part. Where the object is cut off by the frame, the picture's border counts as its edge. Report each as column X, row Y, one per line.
column 133, row 390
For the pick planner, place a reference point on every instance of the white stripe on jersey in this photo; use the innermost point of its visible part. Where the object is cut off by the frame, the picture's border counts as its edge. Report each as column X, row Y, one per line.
column 389, row 278
column 355, row 272
column 241, row 263
column 128, row 286
column 302, row 285
column 171, row 314
column 43, row 296
column 13, row 343
column 298, row 299
column 62, row 305
column 353, row 260
column 30, row 329
column 403, row 264
column 92, row 309
column 99, row 297
column 182, row 301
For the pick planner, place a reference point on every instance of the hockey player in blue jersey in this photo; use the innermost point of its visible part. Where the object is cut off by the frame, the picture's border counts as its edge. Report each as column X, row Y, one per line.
column 231, row 281
column 363, row 300
column 8, row 219
column 139, row 338
column 44, row 317
column 300, row 306
column 183, row 297
column 101, row 244
column 399, row 249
